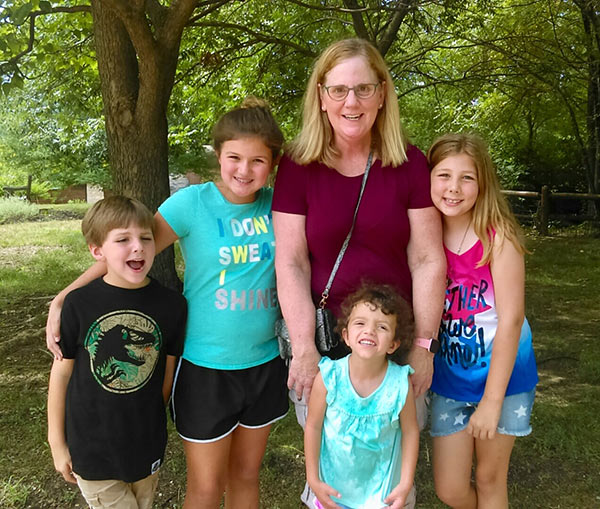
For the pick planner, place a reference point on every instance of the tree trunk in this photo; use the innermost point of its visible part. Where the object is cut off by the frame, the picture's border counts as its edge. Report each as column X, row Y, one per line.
column 591, row 24
column 136, row 130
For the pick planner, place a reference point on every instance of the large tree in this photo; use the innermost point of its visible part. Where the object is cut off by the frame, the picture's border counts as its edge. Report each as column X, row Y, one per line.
column 137, row 46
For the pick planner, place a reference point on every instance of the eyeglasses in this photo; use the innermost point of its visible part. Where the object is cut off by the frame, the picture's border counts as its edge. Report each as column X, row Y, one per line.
column 362, row 91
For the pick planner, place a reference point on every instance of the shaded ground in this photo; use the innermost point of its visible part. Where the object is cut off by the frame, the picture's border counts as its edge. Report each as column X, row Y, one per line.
column 556, row 467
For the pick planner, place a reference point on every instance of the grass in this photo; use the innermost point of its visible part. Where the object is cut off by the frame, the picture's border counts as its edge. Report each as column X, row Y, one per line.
column 555, row 467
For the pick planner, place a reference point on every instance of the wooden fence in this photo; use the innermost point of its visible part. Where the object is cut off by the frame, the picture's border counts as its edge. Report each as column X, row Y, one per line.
column 545, row 197
column 11, row 190
column 543, row 211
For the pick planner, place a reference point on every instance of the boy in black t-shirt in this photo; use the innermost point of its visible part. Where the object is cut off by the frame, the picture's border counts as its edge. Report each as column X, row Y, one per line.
column 120, row 336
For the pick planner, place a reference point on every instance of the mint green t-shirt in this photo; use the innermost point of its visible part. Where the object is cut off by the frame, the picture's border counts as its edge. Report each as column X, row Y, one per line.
column 229, row 281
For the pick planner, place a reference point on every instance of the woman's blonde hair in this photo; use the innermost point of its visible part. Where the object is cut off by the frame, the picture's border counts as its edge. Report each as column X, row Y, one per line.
column 491, row 211
column 315, row 141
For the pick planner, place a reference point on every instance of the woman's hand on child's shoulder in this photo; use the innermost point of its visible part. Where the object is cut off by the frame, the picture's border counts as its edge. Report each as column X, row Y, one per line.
column 484, row 421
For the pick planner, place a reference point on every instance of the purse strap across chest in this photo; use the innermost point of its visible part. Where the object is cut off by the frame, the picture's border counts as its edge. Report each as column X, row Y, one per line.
column 338, row 261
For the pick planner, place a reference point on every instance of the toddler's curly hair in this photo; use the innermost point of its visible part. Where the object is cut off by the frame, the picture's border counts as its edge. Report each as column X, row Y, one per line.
column 387, row 299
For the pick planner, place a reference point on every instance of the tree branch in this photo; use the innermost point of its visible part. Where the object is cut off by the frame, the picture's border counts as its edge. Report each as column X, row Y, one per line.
column 156, row 12
column 389, row 35
column 133, row 16
column 213, row 5
column 31, row 40
column 348, row 10
column 357, row 20
column 258, row 36
column 178, row 17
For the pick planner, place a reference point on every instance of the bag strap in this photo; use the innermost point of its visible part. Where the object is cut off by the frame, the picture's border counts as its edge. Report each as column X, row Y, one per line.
column 337, row 263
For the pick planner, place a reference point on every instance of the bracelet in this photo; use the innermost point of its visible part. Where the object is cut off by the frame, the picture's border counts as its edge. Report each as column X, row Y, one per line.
column 430, row 344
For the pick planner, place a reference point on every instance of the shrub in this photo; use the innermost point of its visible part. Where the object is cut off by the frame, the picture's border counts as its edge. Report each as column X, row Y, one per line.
column 14, row 209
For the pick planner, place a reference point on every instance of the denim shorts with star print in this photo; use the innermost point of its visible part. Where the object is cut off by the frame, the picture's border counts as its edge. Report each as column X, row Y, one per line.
column 450, row 416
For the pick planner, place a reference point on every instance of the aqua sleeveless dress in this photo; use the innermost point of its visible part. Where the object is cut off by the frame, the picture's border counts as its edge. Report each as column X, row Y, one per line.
column 361, row 443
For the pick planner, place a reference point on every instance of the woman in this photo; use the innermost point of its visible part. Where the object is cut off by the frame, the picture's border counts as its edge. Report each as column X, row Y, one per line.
column 350, row 110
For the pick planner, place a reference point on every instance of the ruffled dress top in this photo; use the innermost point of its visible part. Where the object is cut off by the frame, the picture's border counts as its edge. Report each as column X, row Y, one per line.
column 361, row 444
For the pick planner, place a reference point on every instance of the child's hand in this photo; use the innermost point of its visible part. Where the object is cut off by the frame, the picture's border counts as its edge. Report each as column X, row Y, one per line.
column 484, row 421
column 397, row 498
column 323, row 492
column 63, row 464
column 53, row 328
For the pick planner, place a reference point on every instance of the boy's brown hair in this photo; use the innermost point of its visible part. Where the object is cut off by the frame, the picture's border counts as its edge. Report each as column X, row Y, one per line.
column 387, row 299
column 114, row 212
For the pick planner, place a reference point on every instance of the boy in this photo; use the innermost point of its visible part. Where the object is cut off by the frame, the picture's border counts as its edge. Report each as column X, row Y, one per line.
column 120, row 336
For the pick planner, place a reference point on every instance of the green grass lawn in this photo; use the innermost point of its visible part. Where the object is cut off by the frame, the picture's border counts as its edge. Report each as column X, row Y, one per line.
column 556, row 467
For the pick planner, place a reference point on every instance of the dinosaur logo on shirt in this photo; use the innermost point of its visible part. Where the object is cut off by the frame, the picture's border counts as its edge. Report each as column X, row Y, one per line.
column 124, row 348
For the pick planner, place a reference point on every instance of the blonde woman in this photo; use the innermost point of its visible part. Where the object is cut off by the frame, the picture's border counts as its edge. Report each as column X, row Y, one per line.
column 350, row 110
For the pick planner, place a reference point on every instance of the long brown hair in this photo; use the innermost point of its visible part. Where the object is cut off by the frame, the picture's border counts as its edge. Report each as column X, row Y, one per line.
column 252, row 119
column 491, row 212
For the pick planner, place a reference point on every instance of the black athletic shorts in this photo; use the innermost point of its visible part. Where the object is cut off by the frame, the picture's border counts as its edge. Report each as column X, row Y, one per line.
column 208, row 404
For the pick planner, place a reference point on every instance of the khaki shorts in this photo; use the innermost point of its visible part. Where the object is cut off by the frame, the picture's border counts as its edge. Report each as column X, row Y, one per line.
column 115, row 494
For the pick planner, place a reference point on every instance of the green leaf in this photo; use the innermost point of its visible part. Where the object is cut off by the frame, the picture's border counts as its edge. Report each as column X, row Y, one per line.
column 13, row 43
column 21, row 13
column 16, row 81
column 45, row 6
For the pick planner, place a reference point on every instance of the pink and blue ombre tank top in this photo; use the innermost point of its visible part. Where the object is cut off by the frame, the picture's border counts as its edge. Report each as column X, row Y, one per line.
column 467, row 332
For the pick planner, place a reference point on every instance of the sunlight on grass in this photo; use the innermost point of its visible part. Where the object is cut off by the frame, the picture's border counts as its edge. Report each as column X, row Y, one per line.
column 47, row 233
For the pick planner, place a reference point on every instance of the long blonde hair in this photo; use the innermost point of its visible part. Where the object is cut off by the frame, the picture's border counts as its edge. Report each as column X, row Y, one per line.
column 491, row 211
column 315, row 141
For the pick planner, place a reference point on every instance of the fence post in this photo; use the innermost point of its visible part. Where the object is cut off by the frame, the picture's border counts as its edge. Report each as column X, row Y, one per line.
column 28, row 190
column 544, row 210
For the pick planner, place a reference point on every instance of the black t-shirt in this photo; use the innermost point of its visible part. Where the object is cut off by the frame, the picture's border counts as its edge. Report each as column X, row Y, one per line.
column 115, row 422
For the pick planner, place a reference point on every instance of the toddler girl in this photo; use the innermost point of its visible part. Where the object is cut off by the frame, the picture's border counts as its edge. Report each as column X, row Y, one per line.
column 484, row 373
column 362, row 438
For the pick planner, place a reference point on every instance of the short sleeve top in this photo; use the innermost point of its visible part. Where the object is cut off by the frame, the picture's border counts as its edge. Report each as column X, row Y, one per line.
column 361, row 444
column 229, row 280
column 377, row 250
column 119, row 338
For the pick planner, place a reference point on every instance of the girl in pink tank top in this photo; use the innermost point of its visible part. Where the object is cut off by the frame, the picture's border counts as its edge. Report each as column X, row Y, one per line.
column 484, row 372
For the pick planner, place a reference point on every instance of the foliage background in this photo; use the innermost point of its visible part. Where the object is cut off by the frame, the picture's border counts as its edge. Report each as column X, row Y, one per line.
column 518, row 73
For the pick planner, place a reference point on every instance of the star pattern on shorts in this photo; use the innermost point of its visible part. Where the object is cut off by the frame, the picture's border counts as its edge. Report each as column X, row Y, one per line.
column 502, row 430
column 460, row 419
column 444, row 416
column 521, row 411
